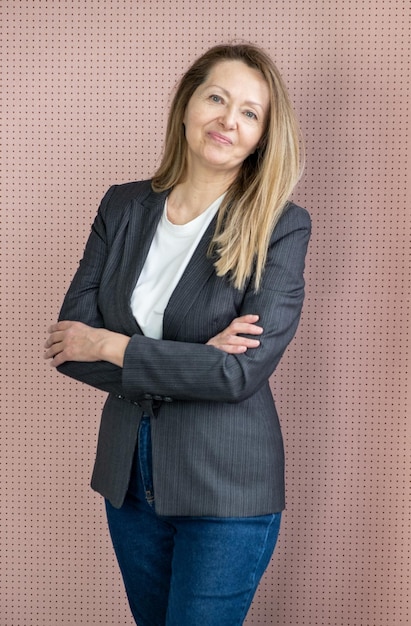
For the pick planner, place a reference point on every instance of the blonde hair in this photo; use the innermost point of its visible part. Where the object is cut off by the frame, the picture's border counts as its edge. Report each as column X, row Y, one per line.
column 257, row 198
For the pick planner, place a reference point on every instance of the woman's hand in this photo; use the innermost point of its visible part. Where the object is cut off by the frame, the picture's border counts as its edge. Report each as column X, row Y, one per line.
column 75, row 341
column 230, row 340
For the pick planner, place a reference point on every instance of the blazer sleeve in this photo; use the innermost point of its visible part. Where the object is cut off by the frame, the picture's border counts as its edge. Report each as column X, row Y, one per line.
column 190, row 371
column 81, row 304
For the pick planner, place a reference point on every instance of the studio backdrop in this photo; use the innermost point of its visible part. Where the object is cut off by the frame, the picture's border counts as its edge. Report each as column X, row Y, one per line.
column 85, row 91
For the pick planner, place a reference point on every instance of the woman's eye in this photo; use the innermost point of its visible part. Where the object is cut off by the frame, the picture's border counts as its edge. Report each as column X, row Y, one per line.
column 251, row 115
column 215, row 98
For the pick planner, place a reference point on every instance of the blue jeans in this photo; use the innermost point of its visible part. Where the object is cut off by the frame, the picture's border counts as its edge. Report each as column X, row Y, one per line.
column 186, row 571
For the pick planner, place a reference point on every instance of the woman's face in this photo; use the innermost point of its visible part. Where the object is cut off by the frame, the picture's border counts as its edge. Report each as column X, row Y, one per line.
column 225, row 118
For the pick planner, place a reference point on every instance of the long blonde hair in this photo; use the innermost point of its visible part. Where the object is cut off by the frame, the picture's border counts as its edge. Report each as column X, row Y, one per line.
column 255, row 201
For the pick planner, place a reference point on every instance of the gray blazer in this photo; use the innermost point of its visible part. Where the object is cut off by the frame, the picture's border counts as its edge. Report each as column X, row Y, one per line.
column 217, row 444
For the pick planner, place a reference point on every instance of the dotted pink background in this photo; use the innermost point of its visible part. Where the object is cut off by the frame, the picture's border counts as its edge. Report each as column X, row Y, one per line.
column 85, row 91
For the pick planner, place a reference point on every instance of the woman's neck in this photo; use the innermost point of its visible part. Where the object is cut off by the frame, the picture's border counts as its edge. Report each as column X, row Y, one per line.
column 190, row 198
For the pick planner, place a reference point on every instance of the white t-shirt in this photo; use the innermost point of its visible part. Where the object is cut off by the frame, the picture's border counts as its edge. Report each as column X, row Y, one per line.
column 170, row 251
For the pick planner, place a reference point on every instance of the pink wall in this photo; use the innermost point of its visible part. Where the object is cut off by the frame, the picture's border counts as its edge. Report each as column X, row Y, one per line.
column 85, row 92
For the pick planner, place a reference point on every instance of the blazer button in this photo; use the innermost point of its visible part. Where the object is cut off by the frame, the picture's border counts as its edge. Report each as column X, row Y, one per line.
column 167, row 399
column 148, row 396
column 158, row 398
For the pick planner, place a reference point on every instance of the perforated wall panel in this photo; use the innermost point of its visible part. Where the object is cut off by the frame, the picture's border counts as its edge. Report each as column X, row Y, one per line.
column 84, row 95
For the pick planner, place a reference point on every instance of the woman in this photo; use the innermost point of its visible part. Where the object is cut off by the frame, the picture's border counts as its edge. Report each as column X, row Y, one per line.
column 189, row 291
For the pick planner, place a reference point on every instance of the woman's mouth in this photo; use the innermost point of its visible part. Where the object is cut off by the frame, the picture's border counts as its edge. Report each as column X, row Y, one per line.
column 220, row 138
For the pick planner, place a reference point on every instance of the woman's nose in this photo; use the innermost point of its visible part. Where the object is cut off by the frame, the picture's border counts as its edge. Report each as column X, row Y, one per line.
column 228, row 119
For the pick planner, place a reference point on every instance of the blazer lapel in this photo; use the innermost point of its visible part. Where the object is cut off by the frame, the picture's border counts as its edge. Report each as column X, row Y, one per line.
column 143, row 219
column 197, row 272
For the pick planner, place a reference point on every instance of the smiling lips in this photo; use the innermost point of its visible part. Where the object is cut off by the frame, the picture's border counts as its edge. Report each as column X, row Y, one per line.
column 220, row 138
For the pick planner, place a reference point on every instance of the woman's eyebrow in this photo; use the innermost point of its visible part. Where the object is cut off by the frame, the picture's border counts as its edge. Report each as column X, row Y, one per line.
column 227, row 93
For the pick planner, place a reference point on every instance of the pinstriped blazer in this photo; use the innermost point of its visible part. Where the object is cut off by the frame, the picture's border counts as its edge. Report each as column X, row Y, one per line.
column 217, row 443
